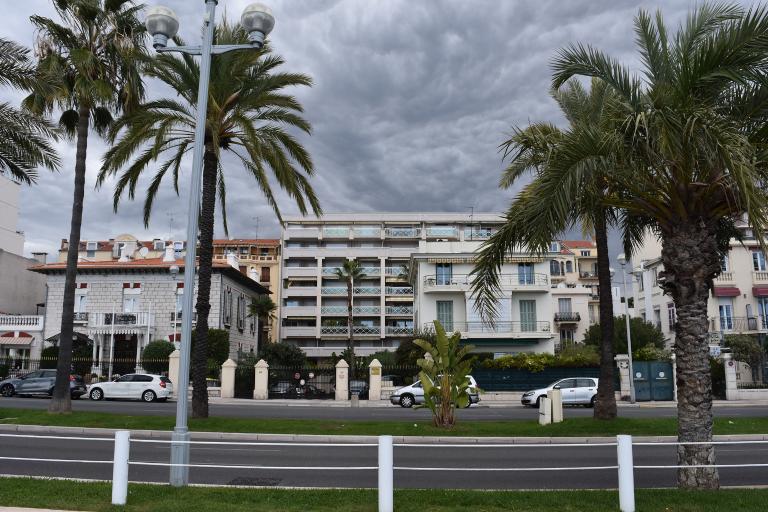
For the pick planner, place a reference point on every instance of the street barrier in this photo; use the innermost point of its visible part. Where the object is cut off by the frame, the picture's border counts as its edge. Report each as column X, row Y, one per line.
column 386, row 464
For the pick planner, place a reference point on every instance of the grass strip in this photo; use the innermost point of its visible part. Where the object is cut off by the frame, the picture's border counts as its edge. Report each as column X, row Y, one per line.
column 96, row 496
column 573, row 427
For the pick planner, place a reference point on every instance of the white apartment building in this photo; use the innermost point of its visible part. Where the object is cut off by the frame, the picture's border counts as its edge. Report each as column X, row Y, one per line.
column 121, row 305
column 416, row 268
column 739, row 300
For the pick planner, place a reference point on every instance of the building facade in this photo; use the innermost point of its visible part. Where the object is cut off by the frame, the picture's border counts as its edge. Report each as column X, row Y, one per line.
column 120, row 306
column 416, row 269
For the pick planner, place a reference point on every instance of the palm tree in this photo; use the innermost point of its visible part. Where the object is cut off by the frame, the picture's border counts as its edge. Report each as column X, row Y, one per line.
column 693, row 135
column 89, row 61
column 350, row 272
column 262, row 308
column 572, row 168
column 24, row 137
column 248, row 116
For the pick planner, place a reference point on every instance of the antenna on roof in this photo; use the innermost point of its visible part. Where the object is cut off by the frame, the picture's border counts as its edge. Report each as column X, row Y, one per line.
column 256, row 230
column 471, row 222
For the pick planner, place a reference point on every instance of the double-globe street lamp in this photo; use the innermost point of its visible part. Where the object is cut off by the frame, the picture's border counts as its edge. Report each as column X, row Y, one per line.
column 163, row 24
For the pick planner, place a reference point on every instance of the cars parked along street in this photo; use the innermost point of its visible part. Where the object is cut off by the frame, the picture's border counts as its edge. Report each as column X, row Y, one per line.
column 136, row 386
column 575, row 391
column 40, row 383
column 409, row 396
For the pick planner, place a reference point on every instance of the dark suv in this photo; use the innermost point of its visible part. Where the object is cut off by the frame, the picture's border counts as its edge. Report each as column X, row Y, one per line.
column 41, row 382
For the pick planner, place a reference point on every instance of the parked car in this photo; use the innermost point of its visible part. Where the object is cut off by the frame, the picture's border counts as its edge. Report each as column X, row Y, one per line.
column 575, row 391
column 409, row 396
column 283, row 389
column 40, row 383
column 136, row 386
column 360, row 387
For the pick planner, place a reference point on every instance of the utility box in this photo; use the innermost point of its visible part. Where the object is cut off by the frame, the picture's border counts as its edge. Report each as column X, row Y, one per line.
column 556, row 396
column 545, row 411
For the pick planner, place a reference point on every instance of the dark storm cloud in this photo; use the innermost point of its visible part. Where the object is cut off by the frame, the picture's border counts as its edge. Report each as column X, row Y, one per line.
column 411, row 100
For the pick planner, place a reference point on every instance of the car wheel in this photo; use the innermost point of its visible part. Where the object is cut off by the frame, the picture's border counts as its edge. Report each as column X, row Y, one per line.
column 96, row 394
column 592, row 402
column 7, row 390
column 538, row 400
column 407, row 401
column 50, row 392
column 148, row 396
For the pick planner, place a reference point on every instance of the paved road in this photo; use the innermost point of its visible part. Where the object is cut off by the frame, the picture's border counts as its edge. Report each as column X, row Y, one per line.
column 536, row 456
column 319, row 410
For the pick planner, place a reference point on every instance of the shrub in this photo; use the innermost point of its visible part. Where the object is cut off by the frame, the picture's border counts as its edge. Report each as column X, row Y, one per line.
column 643, row 334
column 651, row 353
column 155, row 356
column 282, row 354
column 577, row 356
column 745, row 348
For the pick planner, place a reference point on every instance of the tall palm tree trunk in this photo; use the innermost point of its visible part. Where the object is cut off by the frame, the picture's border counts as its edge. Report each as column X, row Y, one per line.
column 350, row 342
column 605, row 403
column 61, row 400
column 691, row 260
column 203, row 306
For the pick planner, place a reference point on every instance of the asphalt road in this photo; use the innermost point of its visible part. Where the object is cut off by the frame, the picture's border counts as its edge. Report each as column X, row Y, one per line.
column 532, row 456
column 320, row 410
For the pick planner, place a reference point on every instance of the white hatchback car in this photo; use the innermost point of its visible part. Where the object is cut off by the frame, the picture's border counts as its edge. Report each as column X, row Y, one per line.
column 575, row 391
column 409, row 396
column 136, row 386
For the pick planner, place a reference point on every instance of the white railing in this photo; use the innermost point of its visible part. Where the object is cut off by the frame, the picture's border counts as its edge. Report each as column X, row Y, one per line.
column 395, row 272
column 122, row 321
column 440, row 232
column 399, row 310
column 760, row 277
column 333, row 290
column 343, row 310
column 402, row 232
column 367, row 290
column 21, row 322
column 336, row 232
column 385, row 464
column 367, row 271
column 359, row 330
column 394, row 330
column 367, row 232
column 399, row 290
column 725, row 277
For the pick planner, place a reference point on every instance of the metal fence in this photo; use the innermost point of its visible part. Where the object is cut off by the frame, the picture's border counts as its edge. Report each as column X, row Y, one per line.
column 386, row 465
column 89, row 369
column 514, row 379
column 302, row 382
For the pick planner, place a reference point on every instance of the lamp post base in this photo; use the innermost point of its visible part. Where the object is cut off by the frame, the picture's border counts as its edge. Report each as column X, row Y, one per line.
column 180, row 455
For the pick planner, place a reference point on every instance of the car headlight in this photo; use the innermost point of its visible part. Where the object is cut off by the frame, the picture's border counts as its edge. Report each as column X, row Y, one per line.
column 529, row 393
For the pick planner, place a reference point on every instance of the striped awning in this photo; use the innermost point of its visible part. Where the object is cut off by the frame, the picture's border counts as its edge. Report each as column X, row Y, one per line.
column 15, row 341
column 760, row 291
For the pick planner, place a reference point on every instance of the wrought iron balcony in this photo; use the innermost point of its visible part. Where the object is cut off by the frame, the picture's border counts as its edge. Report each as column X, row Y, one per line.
column 80, row 317
column 736, row 324
column 567, row 316
column 399, row 290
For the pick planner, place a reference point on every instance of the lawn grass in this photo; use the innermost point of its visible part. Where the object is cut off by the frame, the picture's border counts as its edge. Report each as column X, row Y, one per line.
column 574, row 427
column 96, row 496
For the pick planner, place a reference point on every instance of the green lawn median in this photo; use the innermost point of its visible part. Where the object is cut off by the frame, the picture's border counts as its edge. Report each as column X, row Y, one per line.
column 574, row 427
column 95, row 496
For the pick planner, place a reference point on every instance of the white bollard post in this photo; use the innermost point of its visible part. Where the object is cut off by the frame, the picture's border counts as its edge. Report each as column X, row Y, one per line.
column 557, row 405
column 626, row 473
column 120, row 467
column 386, row 478
column 545, row 411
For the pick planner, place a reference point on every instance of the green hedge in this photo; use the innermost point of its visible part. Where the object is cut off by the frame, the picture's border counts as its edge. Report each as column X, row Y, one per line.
column 581, row 356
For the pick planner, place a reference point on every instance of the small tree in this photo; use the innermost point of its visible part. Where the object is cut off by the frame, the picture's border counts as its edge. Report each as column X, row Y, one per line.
column 155, row 356
column 745, row 348
column 282, row 354
column 444, row 375
column 643, row 334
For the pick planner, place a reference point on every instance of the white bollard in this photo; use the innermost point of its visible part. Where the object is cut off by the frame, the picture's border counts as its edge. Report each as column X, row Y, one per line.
column 626, row 473
column 386, row 478
column 545, row 411
column 557, row 405
column 120, row 467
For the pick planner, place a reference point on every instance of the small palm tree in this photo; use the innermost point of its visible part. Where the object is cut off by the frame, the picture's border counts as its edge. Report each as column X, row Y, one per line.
column 693, row 137
column 572, row 167
column 262, row 308
column 24, row 137
column 350, row 272
column 249, row 116
column 89, row 62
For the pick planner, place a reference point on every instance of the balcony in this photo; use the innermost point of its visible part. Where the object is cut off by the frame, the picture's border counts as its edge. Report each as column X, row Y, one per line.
column 461, row 282
column 299, row 272
column 367, row 290
column 725, row 278
column 335, row 232
column 399, row 290
column 356, row 310
column 299, row 311
column 367, row 271
column 342, row 330
column 395, row 272
column 366, row 232
column 178, row 317
column 588, row 275
column 298, row 331
column 442, row 232
column 312, row 233
column 399, row 310
column 122, row 323
column 392, row 330
column 532, row 329
column 333, row 290
column 402, row 233
column 300, row 291
column 567, row 317
column 80, row 317
column 760, row 277
column 737, row 324
column 477, row 233
column 21, row 322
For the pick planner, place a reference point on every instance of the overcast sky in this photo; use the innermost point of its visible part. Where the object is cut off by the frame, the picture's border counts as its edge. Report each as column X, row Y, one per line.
column 410, row 102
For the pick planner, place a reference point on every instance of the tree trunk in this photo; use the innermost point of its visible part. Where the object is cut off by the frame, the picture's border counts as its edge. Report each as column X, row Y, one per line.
column 203, row 305
column 61, row 399
column 350, row 342
column 605, row 402
column 691, row 261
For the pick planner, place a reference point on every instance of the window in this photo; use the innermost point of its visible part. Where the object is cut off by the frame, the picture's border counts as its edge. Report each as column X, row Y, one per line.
column 568, row 266
column 725, row 264
column 525, row 273
column 90, row 248
column 444, row 273
column 227, row 307
column 566, row 336
column 671, row 315
column 178, row 248
column 445, row 314
column 179, row 302
column 725, row 308
column 241, row 312
column 528, row 315
column 585, row 252
column 594, row 315
column 758, row 261
column 554, row 268
column 81, row 301
column 640, row 282
column 264, row 274
column 564, row 305
column 657, row 317
column 130, row 304
column 554, row 247
column 655, row 275
column 585, row 383
column 126, row 378
column 762, row 310
column 566, row 384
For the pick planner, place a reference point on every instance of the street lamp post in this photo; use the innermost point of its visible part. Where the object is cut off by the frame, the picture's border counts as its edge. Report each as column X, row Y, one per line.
column 163, row 24
column 623, row 261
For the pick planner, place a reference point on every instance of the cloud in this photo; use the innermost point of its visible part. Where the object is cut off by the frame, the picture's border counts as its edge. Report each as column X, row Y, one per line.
column 410, row 103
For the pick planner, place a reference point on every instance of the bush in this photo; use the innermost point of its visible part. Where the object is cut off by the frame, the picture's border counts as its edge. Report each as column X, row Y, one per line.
column 643, row 334
column 155, row 356
column 651, row 353
column 282, row 354
column 717, row 369
column 385, row 357
column 577, row 356
column 745, row 348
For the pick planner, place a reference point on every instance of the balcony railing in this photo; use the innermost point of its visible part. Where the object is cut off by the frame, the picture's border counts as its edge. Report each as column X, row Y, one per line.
column 588, row 275
column 395, row 272
column 399, row 310
column 477, row 233
column 725, row 277
column 334, row 290
column 567, row 316
column 80, row 317
column 505, row 280
column 398, row 331
column 367, row 290
column 736, row 324
column 402, row 232
column 760, row 277
column 356, row 310
column 367, row 232
column 358, row 330
column 399, row 290
column 498, row 327
column 119, row 320
column 336, row 232
column 21, row 322
column 367, row 271
column 442, row 232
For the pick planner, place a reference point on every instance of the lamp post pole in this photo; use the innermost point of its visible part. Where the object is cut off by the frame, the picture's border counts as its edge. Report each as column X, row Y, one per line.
column 623, row 262
column 162, row 25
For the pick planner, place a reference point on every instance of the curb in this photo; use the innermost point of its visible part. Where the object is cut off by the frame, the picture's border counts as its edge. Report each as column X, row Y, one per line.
column 309, row 438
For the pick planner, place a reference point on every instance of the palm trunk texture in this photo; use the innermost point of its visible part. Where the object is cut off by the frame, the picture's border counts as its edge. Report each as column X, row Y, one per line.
column 691, row 260
column 605, row 403
column 203, row 305
column 61, row 401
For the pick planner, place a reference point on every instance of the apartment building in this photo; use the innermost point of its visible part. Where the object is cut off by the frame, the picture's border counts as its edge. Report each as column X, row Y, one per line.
column 739, row 299
column 121, row 305
column 416, row 269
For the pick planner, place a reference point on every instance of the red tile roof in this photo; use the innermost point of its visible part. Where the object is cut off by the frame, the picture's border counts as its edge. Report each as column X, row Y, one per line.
column 246, row 241
column 578, row 244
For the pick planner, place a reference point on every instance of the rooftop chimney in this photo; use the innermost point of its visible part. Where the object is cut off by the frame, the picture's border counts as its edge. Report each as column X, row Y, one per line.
column 124, row 255
column 170, row 254
column 41, row 257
